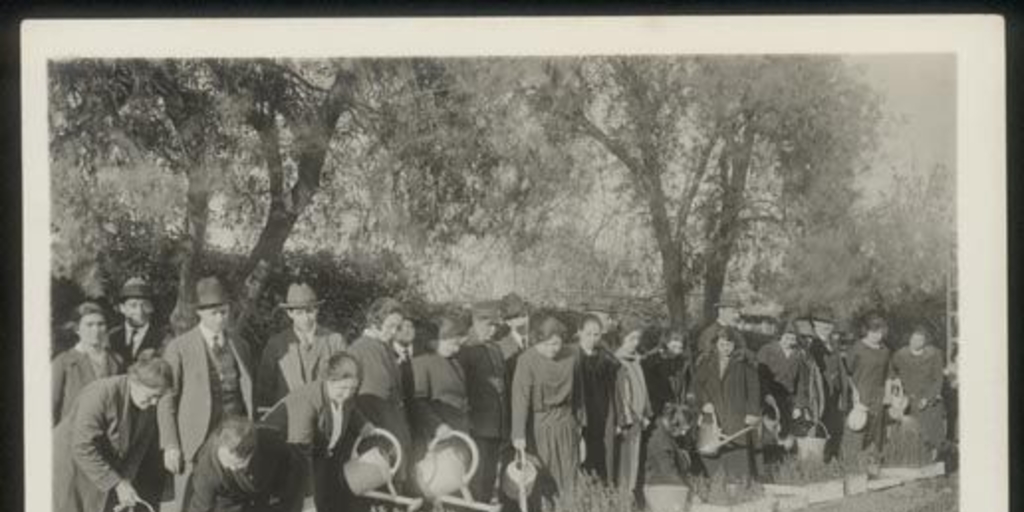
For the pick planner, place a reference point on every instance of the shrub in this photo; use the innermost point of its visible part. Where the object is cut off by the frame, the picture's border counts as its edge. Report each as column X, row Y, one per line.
column 590, row 495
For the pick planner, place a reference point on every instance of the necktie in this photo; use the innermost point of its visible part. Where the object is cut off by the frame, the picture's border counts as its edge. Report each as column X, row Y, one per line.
column 135, row 342
column 336, row 421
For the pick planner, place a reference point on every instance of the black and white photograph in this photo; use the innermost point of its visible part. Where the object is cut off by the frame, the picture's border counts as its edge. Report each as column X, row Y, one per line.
column 512, row 265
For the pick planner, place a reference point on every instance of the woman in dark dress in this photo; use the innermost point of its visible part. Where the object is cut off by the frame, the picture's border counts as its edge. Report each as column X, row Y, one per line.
column 669, row 371
column 545, row 389
column 867, row 364
column 599, row 369
column 727, row 386
column 440, row 404
column 919, row 366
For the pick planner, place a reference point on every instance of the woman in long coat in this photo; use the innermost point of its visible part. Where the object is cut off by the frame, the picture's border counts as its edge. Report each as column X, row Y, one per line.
column 669, row 372
column 101, row 445
column 726, row 385
column 546, row 389
column 867, row 363
column 599, row 370
column 919, row 367
column 88, row 360
column 632, row 406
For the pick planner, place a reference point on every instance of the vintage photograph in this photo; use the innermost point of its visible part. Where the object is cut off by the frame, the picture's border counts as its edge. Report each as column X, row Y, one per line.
column 665, row 282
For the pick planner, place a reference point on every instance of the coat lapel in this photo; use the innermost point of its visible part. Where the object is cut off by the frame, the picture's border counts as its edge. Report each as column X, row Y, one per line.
column 122, row 402
column 197, row 353
column 291, row 367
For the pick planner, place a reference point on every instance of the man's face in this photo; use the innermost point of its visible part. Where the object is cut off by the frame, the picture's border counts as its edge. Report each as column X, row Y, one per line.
column 788, row 340
column 725, row 346
column 389, row 327
column 449, row 347
column 520, row 325
column 143, row 396
column 675, row 345
column 137, row 311
column 230, row 461
column 215, row 319
column 823, row 330
column 304, row 319
column 589, row 335
column 728, row 315
column 340, row 390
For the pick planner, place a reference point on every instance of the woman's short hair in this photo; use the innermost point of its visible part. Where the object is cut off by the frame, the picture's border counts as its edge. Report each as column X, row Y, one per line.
column 590, row 318
column 381, row 309
column 83, row 310
column 875, row 323
column 548, row 327
column 238, row 435
column 922, row 330
column 343, row 366
column 151, row 371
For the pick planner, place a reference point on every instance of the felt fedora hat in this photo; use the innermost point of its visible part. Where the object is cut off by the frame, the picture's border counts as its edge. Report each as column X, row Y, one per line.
column 210, row 292
column 300, row 296
column 136, row 288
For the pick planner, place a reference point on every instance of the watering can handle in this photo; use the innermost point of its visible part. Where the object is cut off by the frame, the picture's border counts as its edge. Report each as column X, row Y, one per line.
column 828, row 435
column 521, row 461
column 474, row 452
column 122, row 507
column 377, row 431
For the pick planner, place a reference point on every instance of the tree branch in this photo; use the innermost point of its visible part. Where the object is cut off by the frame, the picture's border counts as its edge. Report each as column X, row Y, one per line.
column 690, row 194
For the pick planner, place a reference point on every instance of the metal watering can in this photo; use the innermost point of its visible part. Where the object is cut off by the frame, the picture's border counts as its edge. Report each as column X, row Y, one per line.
column 710, row 437
column 443, row 470
column 519, row 477
column 811, row 446
column 370, row 470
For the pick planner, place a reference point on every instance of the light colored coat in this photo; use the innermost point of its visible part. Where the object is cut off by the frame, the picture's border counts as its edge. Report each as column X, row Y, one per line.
column 184, row 414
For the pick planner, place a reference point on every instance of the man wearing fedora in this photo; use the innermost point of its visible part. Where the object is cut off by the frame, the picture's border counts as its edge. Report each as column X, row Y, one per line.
column 728, row 308
column 297, row 355
column 138, row 333
column 212, row 381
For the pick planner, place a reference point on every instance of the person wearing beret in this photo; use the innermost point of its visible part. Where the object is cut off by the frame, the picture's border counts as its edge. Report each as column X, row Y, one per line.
column 246, row 468
column 100, row 448
column 295, row 356
column 380, row 395
column 484, row 366
column 919, row 366
column 727, row 388
column 88, row 360
column 138, row 333
column 212, row 381
column 440, row 404
column 728, row 316
column 322, row 420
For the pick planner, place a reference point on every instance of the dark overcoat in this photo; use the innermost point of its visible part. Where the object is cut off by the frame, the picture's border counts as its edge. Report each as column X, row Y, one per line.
column 156, row 337
column 486, row 389
column 103, row 439
column 380, row 395
column 734, row 394
column 439, row 396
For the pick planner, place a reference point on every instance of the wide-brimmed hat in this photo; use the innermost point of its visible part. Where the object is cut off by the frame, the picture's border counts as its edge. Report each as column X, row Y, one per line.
column 210, row 293
column 136, row 288
column 823, row 315
column 300, row 296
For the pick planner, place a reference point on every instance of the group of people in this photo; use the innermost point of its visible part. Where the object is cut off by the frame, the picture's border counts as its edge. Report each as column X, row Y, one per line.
column 239, row 431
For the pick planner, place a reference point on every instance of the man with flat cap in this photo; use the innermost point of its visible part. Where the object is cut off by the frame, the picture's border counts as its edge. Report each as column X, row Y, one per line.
column 212, row 381
column 484, row 365
column 138, row 333
column 728, row 308
column 827, row 387
column 297, row 355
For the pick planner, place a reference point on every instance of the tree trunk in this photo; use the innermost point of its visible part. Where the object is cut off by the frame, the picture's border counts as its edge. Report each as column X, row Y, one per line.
column 726, row 231
column 197, row 214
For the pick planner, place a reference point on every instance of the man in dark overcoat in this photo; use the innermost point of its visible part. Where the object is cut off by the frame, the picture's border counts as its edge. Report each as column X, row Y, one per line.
column 139, row 332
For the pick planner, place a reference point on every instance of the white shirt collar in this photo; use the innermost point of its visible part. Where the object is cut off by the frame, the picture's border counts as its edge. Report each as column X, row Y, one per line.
column 209, row 335
column 309, row 337
column 137, row 333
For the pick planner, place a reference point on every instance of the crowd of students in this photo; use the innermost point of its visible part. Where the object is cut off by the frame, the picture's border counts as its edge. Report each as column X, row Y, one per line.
column 199, row 421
